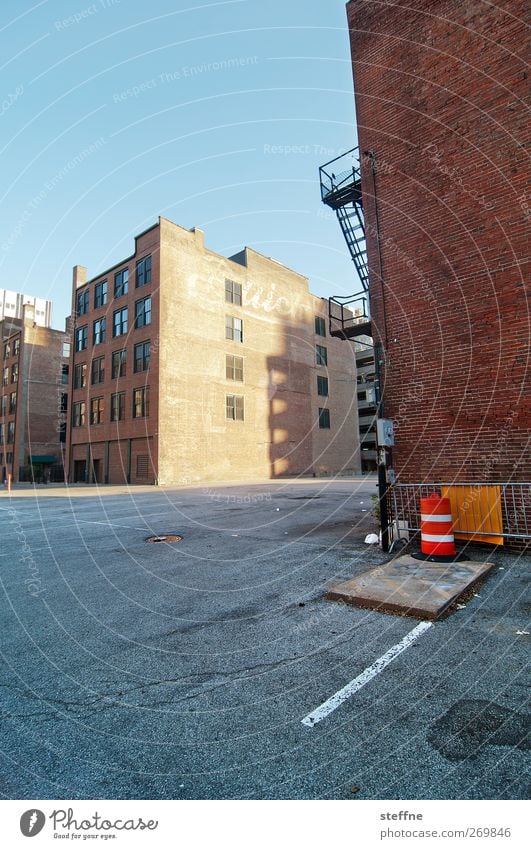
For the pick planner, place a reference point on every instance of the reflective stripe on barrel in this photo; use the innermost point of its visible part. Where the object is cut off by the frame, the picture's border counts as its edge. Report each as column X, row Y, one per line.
column 436, row 536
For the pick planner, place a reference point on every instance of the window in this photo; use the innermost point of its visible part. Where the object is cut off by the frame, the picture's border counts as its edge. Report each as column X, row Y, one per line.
column 97, row 409
column 7, row 350
column 16, row 347
column 78, row 414
column 100, row 294
column 234, row 407
column 99, row 331
column 121, row 283
column 141, row 402
column 234, row 367
column 64, row 374
column 119, row 361
column 12, row 402
column 322, row 385
column 5, row 376
column 3, row 406
column 2, row 434
column 233, row 328
column 324, row 418
column 321, row 355
column 142, row 466
column 81, row 338
column 66, row 349
column 62, row 432
column 119, row 322
column 64, row 402
column 14, row 373
column 143, row 312
column 83, row 302
column 98, row 370
column 142, row 355
column 143, row 272
column 320, row 327
column 118, row 407
column 233, row 292
column 80, row 376
column 10, row 432
column 9, row 458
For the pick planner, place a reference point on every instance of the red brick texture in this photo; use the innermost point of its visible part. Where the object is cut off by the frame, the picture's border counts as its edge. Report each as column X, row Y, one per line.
column 440, row 90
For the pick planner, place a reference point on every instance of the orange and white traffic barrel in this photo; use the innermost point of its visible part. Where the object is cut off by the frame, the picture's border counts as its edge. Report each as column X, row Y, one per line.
column 436, row 533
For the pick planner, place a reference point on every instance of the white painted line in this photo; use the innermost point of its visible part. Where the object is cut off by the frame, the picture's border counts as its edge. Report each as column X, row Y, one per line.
column 367, row 675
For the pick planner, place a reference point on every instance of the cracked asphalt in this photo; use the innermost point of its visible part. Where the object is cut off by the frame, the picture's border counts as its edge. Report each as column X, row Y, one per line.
column 167, row 671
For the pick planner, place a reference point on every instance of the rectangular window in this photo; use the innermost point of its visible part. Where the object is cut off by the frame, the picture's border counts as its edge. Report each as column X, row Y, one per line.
column 100, row 294
column 143, row 312
column 66, row 349
column 16, row 347
column 97, row 409
column 320, row 327
column 119, row 362
column 233, row 293
column 121, row 283
column 62, row 432
column 80, row 376
column 9, row 458
column 118, row 407
column 81, row 338
column 234, row 367
column 141, row 402
column 98, row 331
column 233, row 328
column 98, row 370
column 78, row 414
column 3, row 406
column 322, row 385
column 5, row 376
column 14, row 373
column 10, row 432
column 321, row 355
column 64, row 402
column 143, row 272
column 2, row 434
column 64, row 374
column 12, row 403
column 142, row 356
column 119, row 322
column 142, row 466
column 324, row 418
column 234, row 407
column 7, row 350
column 83, row 302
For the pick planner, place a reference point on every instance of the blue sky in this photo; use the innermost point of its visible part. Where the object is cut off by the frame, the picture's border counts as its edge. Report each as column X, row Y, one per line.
column 215, row 115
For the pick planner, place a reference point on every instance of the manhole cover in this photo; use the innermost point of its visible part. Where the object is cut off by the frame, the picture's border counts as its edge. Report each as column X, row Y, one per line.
column 164, row 538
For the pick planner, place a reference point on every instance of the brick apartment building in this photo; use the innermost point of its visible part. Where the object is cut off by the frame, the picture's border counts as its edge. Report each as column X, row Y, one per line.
column 189, row 366
column 440, row 87
column 33, row 398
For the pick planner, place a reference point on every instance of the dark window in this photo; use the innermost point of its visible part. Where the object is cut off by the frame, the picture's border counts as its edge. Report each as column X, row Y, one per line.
column 121, row 283
column 320, row 327
column 233, row 293
column 234, row 367
column 143, row 272
column 100, row 294
column 234, row 407
column 62, row 432
column 2, row 434
column 321, row 355
column 14, row 373
column 119, row 322
column 99, row 331
column 143, row 312
column 97, row 409
column 16, row 347
column 98, row 370
column 9, row 458
column 13, row 402
column 78, row 414
column 80, row 376
column 118, row 407
column 322, row 385
column 83, row 302
column 142, row 355
column 233, row 328
column 10, row 432
column 324, row 418
column 64, row 402
column 3, row 406
column 119, row 363
column 142, row 466
column 64, row 374
column 141, row 402
column 81, row 338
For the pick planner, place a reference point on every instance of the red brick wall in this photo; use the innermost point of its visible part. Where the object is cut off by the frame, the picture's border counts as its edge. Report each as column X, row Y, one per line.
column 439, row 99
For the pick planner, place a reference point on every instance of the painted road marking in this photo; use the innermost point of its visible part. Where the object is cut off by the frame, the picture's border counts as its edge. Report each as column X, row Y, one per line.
column 367, row 675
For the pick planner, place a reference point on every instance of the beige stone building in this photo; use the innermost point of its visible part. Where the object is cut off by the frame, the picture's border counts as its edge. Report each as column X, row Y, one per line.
column 188, row 366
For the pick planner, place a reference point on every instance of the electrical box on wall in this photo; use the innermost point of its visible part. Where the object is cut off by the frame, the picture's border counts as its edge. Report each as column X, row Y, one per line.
column 385, row 432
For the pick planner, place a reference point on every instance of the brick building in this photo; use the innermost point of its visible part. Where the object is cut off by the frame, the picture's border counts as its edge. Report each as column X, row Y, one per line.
column 189, row 366
column 33, row 398
column 440, row 87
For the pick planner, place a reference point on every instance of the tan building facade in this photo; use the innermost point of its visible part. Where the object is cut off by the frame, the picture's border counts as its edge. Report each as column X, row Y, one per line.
column 188, row 366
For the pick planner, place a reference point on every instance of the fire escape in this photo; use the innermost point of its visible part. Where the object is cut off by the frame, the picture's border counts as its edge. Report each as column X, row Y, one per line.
column 349, row 317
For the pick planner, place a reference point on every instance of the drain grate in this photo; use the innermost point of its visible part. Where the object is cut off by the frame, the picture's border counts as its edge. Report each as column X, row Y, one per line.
column 164, row 538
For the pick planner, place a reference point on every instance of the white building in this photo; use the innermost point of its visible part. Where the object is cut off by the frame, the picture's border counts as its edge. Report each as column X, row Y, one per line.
column 11, row 304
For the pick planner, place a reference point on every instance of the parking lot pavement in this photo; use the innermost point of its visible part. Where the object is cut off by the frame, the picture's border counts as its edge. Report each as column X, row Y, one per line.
column 184, row 670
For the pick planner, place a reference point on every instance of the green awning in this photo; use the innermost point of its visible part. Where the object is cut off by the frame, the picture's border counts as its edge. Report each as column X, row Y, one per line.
column 42, row 458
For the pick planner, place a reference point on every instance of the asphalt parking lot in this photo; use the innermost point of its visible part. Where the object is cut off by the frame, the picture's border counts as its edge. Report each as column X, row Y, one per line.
column 184, row 670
